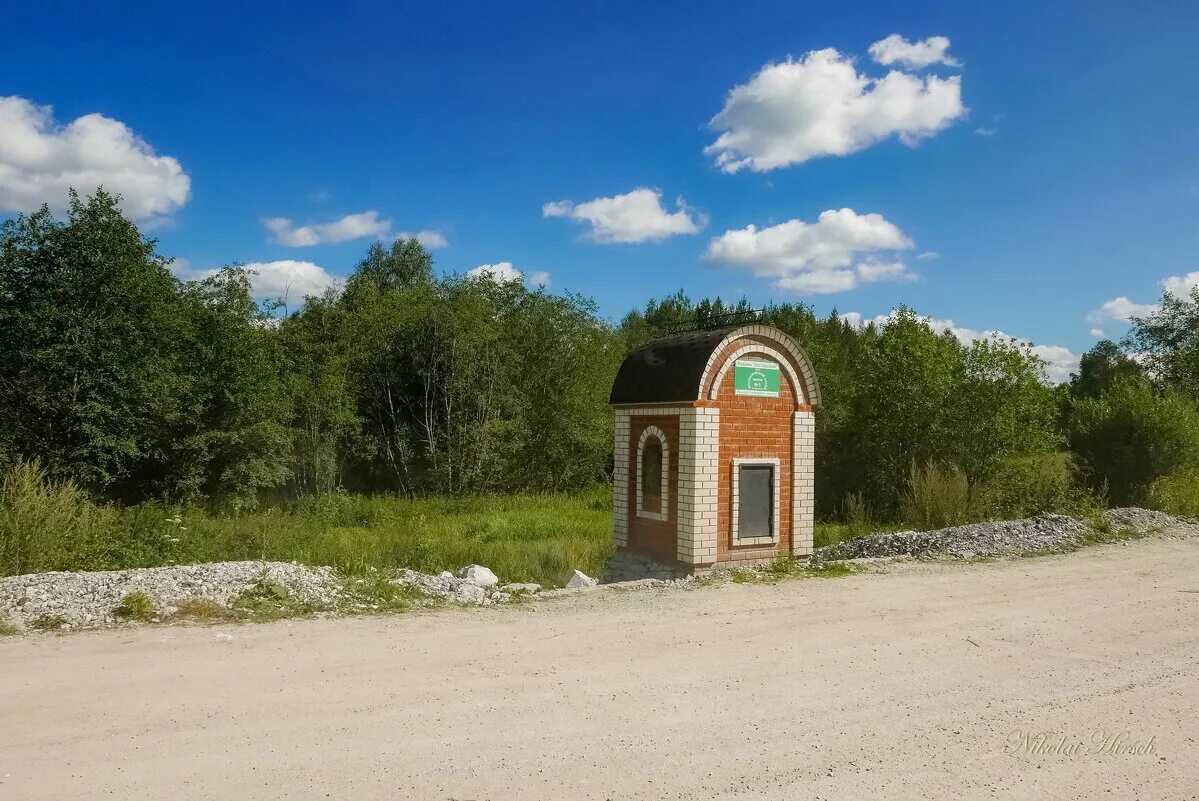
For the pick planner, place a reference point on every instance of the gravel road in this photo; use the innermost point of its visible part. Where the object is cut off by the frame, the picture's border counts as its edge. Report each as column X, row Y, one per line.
column 929, row 680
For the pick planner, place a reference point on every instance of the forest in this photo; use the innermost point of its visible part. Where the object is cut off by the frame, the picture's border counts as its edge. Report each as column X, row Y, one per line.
column 132, row 401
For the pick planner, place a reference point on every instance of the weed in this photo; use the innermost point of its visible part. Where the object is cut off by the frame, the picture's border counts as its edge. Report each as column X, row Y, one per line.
column 137, row 606
column 270, row 600
column 48, row 623
column 790, row 568
column 376, row 593
column 203, row 610
column 8, row 628
column 939, row 496
column 1101, row 531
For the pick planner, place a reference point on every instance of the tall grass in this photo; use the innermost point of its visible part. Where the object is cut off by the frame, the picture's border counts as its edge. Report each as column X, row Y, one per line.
column 938, row 496
column 51, row 526
column 1176, row 493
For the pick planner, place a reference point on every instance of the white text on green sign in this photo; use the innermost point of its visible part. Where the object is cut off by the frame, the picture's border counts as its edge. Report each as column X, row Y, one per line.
column 756, row 378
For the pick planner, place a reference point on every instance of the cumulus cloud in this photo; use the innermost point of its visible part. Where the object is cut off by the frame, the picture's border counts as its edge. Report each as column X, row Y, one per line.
column 352, row 226
column 637, row 216
column 821, row 105
column 41, row 159
column 431, row 240
column 1120, row 309
column 286, row 280
column 834, row 254
column 914, row 55
column 1060, row 361
column 503, row 272
column 1180, row 286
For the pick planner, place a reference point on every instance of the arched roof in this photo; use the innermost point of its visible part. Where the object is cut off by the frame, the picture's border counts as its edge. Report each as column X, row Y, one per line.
column 676, row 368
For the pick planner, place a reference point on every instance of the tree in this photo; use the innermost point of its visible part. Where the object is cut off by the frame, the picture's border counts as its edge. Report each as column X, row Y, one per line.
column 89, row 318
column 1100, row 368
column 1131, row 435
column 1169, row 342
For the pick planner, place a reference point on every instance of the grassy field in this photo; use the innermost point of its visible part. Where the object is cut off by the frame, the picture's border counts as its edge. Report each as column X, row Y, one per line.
column 46, row 526
column 540, row 538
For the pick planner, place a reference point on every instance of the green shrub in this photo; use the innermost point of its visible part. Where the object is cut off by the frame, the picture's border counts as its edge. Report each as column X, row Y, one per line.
column 1176, row 494
column 1131, row 435
column 137, row 606
column 48, row 525
column 1024, row 486
column 938, row 496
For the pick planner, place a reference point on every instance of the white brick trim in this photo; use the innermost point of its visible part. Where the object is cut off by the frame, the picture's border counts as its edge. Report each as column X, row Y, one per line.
column 735, row 506
column 803, row 467
column 664, row 504
column 754, row 347
column 810, row 384
column 698, row 486
column 620, row 478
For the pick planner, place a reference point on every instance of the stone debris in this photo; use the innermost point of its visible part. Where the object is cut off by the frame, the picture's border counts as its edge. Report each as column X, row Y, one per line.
column 456, row 589
column 80, row 600
column 580, row 580
column 477, row 574
column 518, row 588
column 1046, row 532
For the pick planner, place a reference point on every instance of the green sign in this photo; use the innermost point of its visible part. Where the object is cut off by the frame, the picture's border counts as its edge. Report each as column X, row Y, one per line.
column 757, row 378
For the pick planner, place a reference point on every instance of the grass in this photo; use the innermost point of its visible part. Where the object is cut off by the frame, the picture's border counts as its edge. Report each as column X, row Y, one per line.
column 137, row 606
column 1103, row 532
column 203, row 610
column 786, row 568
column 832, row 533
column 46, row 525
column 48, row 623
column 8, row 628
column 269, row 600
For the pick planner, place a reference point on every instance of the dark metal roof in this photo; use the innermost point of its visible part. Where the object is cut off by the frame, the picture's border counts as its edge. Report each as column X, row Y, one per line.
column 667, row 370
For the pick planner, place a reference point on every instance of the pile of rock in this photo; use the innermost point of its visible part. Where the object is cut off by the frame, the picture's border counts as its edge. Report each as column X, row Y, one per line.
column 474, row 585
column 1048, row 532
column 93, row 599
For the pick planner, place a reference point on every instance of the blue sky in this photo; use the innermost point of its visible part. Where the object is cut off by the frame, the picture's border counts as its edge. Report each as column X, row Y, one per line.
column 1036, row 173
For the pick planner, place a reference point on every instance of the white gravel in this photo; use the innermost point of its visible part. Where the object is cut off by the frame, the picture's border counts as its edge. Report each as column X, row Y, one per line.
column 92, row 599
column 1047, row 532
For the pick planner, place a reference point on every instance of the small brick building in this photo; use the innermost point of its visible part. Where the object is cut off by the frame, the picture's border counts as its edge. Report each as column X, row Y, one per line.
column 714, row 439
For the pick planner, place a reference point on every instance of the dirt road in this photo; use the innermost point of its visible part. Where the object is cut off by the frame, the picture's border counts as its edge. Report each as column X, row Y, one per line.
column 929, row 681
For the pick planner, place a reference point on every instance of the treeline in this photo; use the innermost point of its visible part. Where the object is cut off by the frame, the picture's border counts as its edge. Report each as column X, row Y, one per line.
column 137, row 386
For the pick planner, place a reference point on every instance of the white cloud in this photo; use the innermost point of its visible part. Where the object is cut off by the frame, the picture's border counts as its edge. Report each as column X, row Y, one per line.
column 286, row 279
column 1180, row 286
column 986, row 131
column 834, row 254
column 352, row 226
column 928, row 255
column 821, row 106
column 501, row 272
column 41, row 159
column 914, row 55
column 1121, row 309
column 1096, row 332
column 1060, row 362
column 637, row 216
column 431, row 240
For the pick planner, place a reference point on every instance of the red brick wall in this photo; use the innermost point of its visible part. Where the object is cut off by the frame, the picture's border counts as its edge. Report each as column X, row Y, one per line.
column 654, row 538
column 754, row 427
